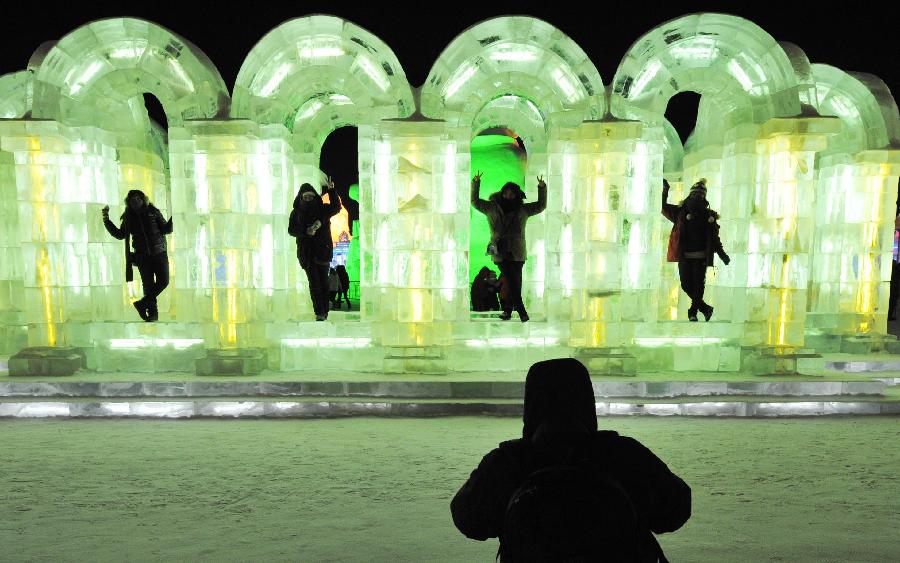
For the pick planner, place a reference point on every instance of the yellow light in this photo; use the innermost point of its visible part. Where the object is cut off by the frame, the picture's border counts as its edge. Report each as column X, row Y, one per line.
column 599, row 195
column 44, row 283
column 416, row 268
column 598, row 327
column 231, row 272
column 783, row 312
column 673, row 303
column 41, row 212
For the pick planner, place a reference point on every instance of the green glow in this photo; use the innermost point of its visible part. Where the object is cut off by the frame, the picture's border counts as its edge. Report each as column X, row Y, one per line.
column 805, row 198
column 501, row 160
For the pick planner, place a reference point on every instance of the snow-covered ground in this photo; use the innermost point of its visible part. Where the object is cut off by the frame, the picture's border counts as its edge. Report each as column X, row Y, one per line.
column 366, row 489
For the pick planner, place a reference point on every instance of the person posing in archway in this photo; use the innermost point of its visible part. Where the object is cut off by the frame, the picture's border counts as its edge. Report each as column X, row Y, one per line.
column 310, row 223
column 692, row 243
column 507, row 215
column 143, row 223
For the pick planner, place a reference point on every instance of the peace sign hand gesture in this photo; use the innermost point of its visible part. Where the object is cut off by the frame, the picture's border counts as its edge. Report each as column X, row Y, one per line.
column 476, row 179
column 541, row 183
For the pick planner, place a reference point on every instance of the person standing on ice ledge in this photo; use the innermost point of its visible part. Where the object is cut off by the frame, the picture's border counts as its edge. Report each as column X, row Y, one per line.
column 143, row 223
column 692, row 243
column 310, row 223
column 507, row 215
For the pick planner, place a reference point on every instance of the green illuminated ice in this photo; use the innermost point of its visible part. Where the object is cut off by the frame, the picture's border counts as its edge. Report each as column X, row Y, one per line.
column 802, row 161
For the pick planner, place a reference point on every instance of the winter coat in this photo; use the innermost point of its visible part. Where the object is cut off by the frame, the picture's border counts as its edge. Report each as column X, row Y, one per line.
column 484, row 292
column 344, row 277
column 146, row 228
column 508, row 228
column 317, row 248
column 561, row 390
column 334, row 282
column 685, row 232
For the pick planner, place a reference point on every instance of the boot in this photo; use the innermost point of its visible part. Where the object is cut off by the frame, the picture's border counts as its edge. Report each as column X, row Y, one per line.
column 141, row 306
column 523, row 314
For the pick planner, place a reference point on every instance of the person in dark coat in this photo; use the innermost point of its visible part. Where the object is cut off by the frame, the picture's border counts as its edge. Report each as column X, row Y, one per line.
column 692, row 243
column 484, row 291
column 334, row 288
column 507, row 215
column 895, row 275
column 144, row 225
column 344, row 277
column 560, row 423
column 310, row 223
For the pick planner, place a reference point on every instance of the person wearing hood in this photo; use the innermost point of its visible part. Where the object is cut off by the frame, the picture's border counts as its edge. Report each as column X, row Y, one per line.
column 144, row 225
column 507, row 215
column 560, row 429
column 310, row 223
column 692, row 243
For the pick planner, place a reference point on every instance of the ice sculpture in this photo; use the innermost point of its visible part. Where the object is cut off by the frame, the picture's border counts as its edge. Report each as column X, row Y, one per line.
column 802, row 161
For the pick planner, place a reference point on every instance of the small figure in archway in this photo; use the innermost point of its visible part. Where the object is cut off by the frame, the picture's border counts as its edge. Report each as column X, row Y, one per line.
column 310, row 223
column 485, row 288
column 143, row 223
column 692, row 243
column 344, row 278
column 507, row 214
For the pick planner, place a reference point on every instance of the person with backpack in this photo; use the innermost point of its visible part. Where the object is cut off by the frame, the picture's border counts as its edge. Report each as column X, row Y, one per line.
column 565, row 490
column 692, row 243
column 143, row 224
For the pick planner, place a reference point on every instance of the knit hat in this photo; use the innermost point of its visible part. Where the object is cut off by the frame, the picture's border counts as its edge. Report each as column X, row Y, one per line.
column 699, row 188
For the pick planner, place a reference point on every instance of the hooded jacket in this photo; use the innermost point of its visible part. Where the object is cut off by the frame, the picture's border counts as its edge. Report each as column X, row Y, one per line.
column 560, row 422
column 508, row 227
column 317, row 248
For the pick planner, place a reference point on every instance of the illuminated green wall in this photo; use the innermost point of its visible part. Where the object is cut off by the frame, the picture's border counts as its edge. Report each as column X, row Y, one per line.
column 353, row 255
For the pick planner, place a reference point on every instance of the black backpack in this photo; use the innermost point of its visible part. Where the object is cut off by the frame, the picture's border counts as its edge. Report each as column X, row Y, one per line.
column 569, row 513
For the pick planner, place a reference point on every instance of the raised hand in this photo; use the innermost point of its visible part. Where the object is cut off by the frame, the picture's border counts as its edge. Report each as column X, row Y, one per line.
column 105, row 211
column 541, row 183
column 476, row 179
column 329, row 183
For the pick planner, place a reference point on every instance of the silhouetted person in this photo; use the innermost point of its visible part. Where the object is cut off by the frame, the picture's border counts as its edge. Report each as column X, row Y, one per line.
column 334, row 288
column 507, row 215
column 144, row 225
column 310, row 223
column 344, row 277
column 895, row 275
column 693, row 242
column 617, row 494
column 484, row 290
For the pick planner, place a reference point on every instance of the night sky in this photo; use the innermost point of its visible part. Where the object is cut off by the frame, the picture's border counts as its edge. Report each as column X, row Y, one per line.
column 853, row 39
